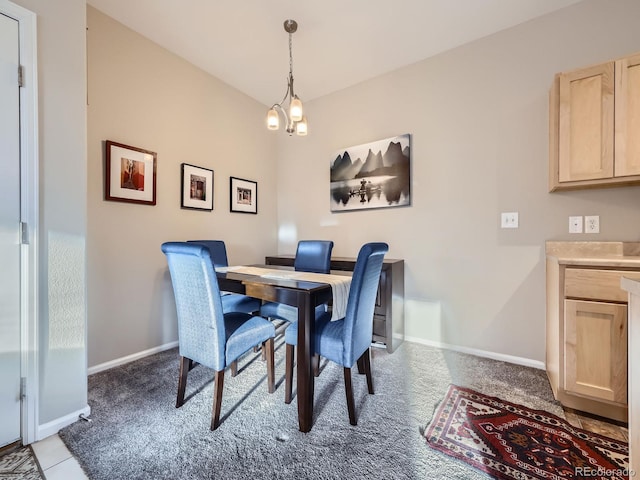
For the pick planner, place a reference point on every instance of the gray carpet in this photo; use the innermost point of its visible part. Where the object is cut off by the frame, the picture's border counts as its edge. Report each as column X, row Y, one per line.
column 137, row 433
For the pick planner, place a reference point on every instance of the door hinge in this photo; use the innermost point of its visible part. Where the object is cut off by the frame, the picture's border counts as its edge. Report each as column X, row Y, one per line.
column 24, row 233
column 23, row 387
column 20, row 76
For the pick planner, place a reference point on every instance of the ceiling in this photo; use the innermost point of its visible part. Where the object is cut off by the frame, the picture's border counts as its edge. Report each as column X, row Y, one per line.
column 339, row 43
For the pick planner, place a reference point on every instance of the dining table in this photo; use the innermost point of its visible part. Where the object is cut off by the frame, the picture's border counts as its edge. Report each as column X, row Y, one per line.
column 284, row 285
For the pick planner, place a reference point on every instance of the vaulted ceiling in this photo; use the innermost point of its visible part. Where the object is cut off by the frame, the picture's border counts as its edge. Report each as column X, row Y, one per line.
column 339, row 43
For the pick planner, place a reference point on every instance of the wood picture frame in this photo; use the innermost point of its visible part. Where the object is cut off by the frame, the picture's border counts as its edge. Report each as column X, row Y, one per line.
column 243, row 195
column 130, row 174
column 196, row 187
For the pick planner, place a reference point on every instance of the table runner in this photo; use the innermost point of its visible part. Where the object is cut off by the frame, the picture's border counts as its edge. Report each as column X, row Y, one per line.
column 339, row 283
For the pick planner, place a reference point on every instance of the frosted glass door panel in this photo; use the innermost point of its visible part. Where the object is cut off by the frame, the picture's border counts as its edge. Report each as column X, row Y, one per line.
column 9, row 239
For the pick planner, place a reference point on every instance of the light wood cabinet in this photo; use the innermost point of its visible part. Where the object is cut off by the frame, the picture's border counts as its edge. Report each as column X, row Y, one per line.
column 595, row 337
column 587, row 336
column 593, row 114
column 627, row 117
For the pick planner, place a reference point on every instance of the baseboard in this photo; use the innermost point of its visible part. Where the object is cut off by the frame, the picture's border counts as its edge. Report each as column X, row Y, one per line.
column 130, row 358
column 526, row 362
column 54, row 426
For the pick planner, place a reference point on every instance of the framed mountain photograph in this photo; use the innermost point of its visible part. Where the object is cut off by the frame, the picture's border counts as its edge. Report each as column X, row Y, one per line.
column 372, row 175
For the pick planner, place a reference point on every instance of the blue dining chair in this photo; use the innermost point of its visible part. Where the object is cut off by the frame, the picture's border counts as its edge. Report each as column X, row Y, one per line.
column 311, row 256
column 206, row 334
column 231, row 302
column 346, row 341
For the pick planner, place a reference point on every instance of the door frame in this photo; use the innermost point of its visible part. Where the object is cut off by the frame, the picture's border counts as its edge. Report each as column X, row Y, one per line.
column 29, row 213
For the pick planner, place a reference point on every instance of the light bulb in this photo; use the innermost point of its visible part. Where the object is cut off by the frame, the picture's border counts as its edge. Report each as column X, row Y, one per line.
column 273, row 121
column 295, row 109
column 301, row 127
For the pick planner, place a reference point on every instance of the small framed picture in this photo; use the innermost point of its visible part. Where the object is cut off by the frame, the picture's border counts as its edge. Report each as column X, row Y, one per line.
column 197, row 187
column 243, row 195
column 130, row 174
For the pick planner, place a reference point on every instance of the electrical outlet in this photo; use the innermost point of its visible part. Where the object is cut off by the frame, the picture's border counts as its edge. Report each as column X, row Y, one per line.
column 509, row 220
column 575, row 224
column 592, row 224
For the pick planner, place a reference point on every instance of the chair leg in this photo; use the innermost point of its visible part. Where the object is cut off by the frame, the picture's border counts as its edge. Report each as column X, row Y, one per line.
column 366, row 363
column 360, row 364
column 185, row 364
column 234, row 368
column 349, row 391
column 288, row 377
column 218, row 385
column 316, row 365
column 267, row 348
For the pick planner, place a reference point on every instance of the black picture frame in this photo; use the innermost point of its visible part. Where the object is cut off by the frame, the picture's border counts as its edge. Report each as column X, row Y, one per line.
column 243, row 195
column 196, row 187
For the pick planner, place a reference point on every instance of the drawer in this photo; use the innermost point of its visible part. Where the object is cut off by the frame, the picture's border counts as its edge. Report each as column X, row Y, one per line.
column 596, row 284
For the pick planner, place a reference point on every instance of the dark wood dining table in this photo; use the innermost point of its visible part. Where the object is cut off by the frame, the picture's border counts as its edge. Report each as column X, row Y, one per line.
column 301, row 294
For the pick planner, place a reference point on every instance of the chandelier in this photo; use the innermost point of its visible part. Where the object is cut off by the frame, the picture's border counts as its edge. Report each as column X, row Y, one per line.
column 295, row 120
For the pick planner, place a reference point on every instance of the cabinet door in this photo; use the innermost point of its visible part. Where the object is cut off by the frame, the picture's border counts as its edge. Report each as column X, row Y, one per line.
column 595, row 348
column 586, row 114
column 627, row 121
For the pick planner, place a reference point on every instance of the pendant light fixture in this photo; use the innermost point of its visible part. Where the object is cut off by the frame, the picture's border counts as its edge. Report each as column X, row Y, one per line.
column 294, row 117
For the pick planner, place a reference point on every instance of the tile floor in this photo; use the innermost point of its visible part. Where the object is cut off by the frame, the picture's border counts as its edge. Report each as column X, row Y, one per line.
column 595, row 425
column 56, row 461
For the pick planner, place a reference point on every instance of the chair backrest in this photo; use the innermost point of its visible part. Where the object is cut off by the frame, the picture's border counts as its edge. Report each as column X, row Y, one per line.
column 217, row 251
column 358, row 321
column 313, row 256
column 201, row 331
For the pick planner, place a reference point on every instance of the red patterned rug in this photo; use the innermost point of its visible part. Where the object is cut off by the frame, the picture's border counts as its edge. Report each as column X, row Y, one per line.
column 509, row 441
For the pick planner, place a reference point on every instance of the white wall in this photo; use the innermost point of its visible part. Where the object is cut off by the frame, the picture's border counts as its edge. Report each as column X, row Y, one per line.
column 478, row 116
column 144, row 96
column 62, row 229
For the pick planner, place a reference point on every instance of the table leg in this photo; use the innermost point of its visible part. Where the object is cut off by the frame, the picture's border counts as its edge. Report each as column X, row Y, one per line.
column 306, row 323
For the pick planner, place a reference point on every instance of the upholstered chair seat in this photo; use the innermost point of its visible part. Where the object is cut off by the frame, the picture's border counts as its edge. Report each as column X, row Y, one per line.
column 346, row 341
column 207, row 335
column 311, row 256
column 231, row 302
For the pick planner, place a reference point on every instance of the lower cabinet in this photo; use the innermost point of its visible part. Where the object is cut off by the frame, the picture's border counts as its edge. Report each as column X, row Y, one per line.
column 587, row 337
column 595, row 350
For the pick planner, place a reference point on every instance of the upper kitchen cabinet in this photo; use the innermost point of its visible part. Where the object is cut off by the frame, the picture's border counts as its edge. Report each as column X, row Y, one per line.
column 593, row 124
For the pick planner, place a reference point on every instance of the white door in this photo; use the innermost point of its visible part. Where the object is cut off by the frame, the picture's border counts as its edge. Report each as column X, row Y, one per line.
column 9, row 233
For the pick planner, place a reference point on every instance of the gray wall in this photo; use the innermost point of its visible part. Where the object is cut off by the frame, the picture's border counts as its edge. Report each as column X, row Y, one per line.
column 478, row 116
column 145, row 96
column 63, row 215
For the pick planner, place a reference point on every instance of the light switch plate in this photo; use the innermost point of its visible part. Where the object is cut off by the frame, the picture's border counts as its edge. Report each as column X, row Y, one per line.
column 575, row 224
column 509, row 220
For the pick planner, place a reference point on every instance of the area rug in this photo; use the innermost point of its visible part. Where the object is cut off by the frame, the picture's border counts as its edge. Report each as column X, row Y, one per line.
column 20, row 464
column 510, row 441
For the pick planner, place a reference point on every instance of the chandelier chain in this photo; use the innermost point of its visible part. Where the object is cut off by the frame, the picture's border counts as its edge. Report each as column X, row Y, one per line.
column 290, row 56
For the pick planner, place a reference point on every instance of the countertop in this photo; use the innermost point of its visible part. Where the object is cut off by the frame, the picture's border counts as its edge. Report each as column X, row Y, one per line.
column 595, row 254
